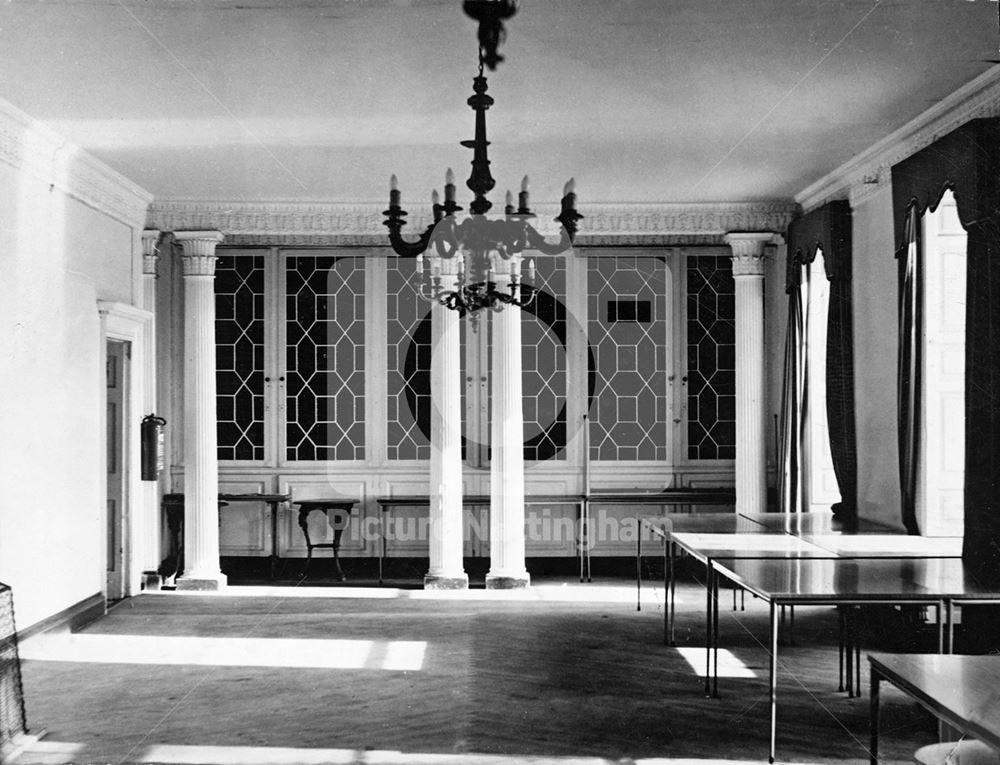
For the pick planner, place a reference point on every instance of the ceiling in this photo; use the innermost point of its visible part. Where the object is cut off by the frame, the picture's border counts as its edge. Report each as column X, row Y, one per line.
column 640, row 100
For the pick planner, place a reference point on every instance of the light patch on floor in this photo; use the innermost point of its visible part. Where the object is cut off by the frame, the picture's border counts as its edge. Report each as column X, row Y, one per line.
column 257, row 755
column 398, row 655
column 729, row 665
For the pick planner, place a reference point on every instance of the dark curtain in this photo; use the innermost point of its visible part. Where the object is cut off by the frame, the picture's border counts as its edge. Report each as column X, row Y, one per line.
column 967, row 160
column 828, row 228
column 791, row 487
column 908, row 370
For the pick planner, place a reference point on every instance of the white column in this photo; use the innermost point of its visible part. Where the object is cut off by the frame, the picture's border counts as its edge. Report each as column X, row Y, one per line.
column 507, row 569
column 751, row 466
column 149, row 543
column 201, row 464
column 446, row 570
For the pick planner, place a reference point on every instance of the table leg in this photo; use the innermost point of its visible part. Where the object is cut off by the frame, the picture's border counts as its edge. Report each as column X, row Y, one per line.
column 940, row 614
column 715, row 635
column 708, row 629
column 840, row 648
column 666, row 593
column 950, row 618
column 586, row 531
column 673, row 592
column 638, row 569
column 873, row 691
column 382, row 547
column 791, row 625
column 773, row 678
column 849, row 621
column 274, row 536
column 859, row 628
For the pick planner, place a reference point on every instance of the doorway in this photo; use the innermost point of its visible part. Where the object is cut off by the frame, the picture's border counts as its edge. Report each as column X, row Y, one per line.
column 117, row 374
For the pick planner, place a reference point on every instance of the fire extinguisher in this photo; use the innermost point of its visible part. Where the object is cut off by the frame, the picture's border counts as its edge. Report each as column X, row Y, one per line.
column 152, row 438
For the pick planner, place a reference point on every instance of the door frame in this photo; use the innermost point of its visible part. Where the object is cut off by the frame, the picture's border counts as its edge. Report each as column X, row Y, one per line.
column 126, row 323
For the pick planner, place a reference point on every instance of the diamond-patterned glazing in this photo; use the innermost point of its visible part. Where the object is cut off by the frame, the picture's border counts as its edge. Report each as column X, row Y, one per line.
column 628, row 415
column 543, row 363
column 408, row 365
column 239, row 356
column 325, row 346
column 711, row 347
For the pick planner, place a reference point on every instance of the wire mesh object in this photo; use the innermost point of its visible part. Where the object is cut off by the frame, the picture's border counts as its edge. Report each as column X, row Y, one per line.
column 12, row 719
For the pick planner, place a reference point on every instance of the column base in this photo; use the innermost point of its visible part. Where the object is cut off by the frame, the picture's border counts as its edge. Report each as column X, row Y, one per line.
column 504, row 582
column 459, row 581
column 151, row 581
column 202, row 582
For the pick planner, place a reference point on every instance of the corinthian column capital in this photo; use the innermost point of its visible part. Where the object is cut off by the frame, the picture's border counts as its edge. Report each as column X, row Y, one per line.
column 748, row 252
column 199, row 251
column 151, row 251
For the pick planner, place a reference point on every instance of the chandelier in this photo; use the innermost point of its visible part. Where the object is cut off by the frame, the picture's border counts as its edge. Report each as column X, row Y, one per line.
column 477, row 262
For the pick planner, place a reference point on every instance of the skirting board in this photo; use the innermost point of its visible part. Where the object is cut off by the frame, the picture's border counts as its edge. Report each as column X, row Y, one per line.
column 71, row 618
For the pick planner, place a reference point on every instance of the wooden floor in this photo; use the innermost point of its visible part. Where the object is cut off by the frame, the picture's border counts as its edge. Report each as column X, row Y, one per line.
column 551, row 675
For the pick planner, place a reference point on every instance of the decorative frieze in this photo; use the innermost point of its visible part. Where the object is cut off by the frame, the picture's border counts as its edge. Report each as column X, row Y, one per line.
column 310, row 223
column 31, row 147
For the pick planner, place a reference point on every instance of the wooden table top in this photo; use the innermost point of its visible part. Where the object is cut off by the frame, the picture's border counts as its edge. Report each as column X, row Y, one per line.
column 337, row 502
column 815, row 523
column 750, row 546
column 835, row 580
column 964, row 690
column 420, row 500
column 887, row 545
column 706, row 523
column 255, row 497
column 678, row 496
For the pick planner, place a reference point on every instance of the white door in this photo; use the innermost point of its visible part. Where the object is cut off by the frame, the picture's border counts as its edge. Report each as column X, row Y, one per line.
column 117, row 398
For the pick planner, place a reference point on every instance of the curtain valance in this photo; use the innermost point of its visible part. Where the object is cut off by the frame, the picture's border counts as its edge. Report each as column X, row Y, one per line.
column 827, row 228
column 966, row 160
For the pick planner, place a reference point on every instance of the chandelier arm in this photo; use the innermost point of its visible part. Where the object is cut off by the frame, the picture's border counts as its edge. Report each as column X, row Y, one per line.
column 402, row 247
column 537, row 242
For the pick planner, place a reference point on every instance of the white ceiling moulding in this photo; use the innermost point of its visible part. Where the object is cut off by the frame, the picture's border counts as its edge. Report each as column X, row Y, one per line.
column 330, row 224
column 33, row 148
column 870, row 171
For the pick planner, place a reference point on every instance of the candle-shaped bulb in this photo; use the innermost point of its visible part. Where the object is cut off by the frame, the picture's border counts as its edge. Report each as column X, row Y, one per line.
column 435, row 197
column 509, row 199
column 393, row 191
column 449, row 186
column 531, row 270
column 570, row 187
column 522, row 198
column 420, row 263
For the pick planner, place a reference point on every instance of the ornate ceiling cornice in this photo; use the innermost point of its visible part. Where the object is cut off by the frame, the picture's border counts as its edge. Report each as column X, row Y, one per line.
column 870, row 171
column 329, row 224
column 31, row 147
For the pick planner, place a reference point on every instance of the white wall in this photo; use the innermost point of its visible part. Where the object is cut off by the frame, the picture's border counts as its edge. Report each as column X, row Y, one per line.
column 875, row 284
column 58, row 257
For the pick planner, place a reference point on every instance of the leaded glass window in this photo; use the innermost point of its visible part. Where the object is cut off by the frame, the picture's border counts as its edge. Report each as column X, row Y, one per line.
column 628, row 415
column 325, row 357
column 408, row 332
column 543, row 363
column 239, row 356
column 711, row 347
